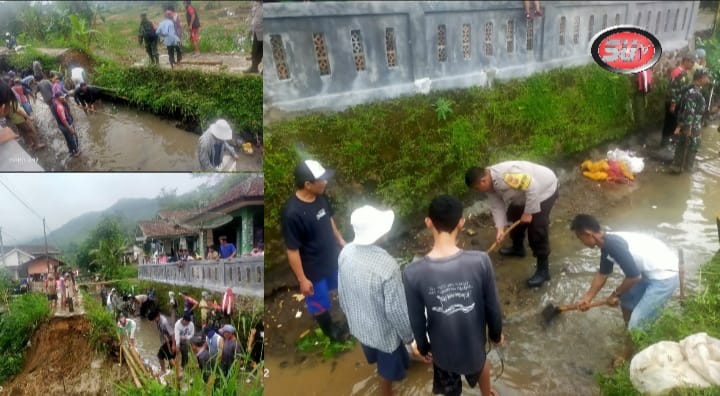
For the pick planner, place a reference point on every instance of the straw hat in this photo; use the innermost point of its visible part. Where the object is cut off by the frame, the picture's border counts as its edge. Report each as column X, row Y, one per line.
column 370, row 224
column 221, row 130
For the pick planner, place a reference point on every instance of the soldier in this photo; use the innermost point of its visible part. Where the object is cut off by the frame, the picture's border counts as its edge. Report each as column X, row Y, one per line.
column 689, row 115
column 520, row 190
column 680, row 79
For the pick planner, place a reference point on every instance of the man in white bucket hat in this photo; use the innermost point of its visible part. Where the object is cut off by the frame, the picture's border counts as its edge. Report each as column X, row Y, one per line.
column 213, row 143
column 372, row 296
column 313, row 241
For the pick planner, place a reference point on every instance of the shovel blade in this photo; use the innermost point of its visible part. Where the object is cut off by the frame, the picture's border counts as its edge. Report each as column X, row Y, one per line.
column 549, row 313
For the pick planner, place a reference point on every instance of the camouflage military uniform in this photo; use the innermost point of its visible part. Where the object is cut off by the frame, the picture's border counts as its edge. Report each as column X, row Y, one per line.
column 690, row 115
column 677, row 86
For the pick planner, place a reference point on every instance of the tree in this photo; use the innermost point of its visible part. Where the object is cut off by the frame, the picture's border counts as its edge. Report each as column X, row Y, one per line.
column 102, row 250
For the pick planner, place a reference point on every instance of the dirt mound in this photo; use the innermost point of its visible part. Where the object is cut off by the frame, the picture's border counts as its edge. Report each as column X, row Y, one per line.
column 73, row 58
column 60, row 361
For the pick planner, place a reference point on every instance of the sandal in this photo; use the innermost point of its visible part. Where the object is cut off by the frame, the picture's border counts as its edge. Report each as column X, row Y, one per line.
column 493, row 392
column 528, row 16
column 538, row 13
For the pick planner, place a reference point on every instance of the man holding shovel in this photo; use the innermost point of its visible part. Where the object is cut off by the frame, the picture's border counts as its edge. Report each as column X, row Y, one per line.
column 650, row 268
column 525, row 192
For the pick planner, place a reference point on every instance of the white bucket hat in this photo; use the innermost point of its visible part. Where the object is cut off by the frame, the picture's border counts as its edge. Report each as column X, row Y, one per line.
column 370, row 224
column 221, row 130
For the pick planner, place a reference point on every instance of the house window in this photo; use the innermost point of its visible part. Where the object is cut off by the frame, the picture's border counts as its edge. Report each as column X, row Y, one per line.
column 442, row 54
column 321, row 53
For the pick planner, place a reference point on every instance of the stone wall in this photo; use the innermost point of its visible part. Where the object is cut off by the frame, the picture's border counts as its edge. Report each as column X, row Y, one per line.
column 331, row 55
column 245, row 275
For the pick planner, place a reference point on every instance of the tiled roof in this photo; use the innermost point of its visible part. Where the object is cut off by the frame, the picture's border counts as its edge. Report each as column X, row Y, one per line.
column 177, row 215
column 250, row 189
column 159, row 228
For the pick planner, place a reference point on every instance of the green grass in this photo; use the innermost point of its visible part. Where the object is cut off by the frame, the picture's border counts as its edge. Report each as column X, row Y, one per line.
column 17, row 325
column 404, row 151
column 102, row 334
column 699, row 313
column 317, row 342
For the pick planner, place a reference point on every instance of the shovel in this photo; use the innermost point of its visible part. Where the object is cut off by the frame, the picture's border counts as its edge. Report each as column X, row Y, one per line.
column 495, row 244
column 551, row 311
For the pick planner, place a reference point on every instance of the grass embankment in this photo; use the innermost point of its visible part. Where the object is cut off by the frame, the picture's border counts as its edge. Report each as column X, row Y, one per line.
column 17, row 325
column 102, row 335
column 193, row 97
column 402, row 152
column 699, row 313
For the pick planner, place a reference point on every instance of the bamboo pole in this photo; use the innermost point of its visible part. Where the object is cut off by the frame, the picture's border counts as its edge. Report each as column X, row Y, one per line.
column 138, row 360
column 132, row 372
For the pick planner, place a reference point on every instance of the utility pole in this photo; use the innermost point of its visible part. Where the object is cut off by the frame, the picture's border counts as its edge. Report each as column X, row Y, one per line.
column 2, row 249
column 46, row 248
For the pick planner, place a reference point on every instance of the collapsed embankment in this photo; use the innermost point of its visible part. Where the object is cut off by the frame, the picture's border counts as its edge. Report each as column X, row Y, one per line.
column 60, row 360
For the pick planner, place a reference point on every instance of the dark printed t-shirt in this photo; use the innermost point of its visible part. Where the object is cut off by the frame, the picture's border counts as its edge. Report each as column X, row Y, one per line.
column 459, row 296
column 307, row 227
column 616, row 250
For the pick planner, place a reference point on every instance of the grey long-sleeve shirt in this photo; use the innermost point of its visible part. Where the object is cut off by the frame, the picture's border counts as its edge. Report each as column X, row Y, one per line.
column 461, row 300
column 520, row 183
column 371, row 295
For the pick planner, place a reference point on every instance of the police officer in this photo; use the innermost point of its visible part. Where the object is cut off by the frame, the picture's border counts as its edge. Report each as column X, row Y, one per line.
column 690, row 115
column 520, row 190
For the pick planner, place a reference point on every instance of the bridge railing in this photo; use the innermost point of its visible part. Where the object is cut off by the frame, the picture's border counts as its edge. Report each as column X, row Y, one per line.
column 245, row 275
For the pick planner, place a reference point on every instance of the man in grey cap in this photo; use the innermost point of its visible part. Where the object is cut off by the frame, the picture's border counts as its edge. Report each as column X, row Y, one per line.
column 700, row 60
column 230, row 348
column 313, row 241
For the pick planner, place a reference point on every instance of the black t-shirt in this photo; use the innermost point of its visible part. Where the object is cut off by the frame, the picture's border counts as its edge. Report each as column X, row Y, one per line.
column 306, row 227
column 616, row 250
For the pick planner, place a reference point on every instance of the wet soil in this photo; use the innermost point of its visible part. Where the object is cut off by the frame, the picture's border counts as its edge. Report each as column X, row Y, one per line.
column 60, row 362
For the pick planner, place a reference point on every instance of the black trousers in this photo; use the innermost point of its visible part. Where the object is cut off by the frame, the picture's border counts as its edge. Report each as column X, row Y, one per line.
column 172, row 50
column 538, row 229
column 669, row 125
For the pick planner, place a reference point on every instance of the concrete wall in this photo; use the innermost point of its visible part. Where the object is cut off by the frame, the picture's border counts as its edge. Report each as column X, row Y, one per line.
column 245, row 275
column 331, row 55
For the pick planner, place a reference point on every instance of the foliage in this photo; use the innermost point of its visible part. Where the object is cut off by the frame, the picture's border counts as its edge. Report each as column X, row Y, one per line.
column 237, row 382
column 23, row 60
column 317, row 341
column 443, row 108
column 81, row 33
column 102, row 250
column 402, row 152
column 699, row 313
column 192, row 96
column 102, row 332
column 16, row 327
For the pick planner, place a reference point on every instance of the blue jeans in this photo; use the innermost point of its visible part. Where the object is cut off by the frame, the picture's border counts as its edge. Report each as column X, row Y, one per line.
column 27, row 108
column 70, row 138
column 646, row 298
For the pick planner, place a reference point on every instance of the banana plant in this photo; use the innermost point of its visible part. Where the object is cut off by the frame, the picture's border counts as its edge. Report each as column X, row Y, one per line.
column 81, row 33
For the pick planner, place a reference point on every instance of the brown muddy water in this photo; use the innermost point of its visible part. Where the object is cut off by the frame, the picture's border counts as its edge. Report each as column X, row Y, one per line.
column 560, row 359
column 120, row 138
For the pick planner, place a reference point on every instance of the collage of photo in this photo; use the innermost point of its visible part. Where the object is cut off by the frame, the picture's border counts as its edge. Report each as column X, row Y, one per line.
column 463, row 198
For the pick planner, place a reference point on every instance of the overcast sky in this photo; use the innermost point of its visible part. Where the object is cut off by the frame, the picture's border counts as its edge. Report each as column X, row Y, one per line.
column 60, row 197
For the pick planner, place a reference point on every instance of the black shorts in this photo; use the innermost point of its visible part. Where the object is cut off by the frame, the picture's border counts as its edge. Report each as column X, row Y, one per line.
column 165, row 353
column 52, row 297
column 450, row 384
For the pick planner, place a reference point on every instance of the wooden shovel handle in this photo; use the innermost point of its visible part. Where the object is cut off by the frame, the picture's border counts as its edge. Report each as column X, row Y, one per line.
column 575, row 306
column 495, row 244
